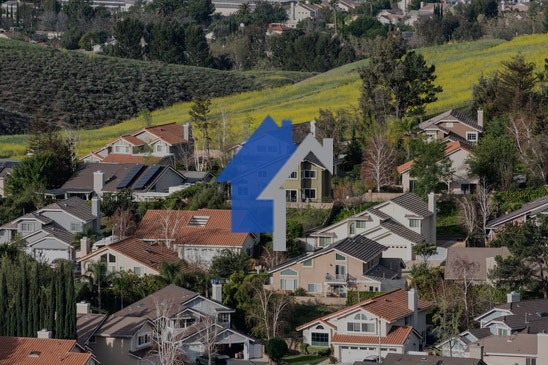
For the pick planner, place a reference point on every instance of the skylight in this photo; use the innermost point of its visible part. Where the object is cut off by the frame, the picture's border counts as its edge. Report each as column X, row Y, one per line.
column 198, row 221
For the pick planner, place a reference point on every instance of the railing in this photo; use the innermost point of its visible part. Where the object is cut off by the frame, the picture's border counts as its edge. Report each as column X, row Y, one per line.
column 336, row 278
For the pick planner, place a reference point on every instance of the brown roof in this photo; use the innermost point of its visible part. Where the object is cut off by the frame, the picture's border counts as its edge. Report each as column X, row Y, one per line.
column 405, row 359
column 171, row 133
column 40, row 351
column 123, row 158
column 449, row 148
column 171, row 296
column 476, row 256
column 520, row 344
column 216, row 232
column 133, row 140
column 86, row 325
column 452, row 115
column 120, row 326
column 397, row 336
column 75, row 206
column 150, row 255
column 390, row 306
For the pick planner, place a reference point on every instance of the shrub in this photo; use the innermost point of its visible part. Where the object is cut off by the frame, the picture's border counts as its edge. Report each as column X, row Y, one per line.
column 333, row 360
column 352, row 296
column 300, row 292
column 276, row 348
column 326, row 351
column 304, row 348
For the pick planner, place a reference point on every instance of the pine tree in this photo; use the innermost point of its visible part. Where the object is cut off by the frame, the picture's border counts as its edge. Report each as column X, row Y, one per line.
column 51, row 307
column 61, row 304
column 4, row 306
column 70, row 316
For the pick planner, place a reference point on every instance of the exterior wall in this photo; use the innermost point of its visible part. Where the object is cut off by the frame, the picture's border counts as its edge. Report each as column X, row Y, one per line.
column 201, row 255
column 457, row 128
column 146, row 136
column 460, row 176
column 504, row 360
column 113, row 351
column 165, row 148
column 37, row 226
column 121, row 144
column 6, row 236
column 122, row 263
column 208, row 307
column 301, row 13
column 398, row 247
column 50, row 249
column 458, row 350
column 406, row 181
column 168, row 179
column 321, row 183
column 65, row 220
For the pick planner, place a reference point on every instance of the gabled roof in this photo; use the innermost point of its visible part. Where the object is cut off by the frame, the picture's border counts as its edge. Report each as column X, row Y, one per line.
column 132, row 140
column 74, row 206
column 529, row 316
column 86, row 325
column 413, row 203
column 120, row 158
column 449, row 149
column 172, row 133
column 216, row 231
column 126, row 326
column 53, row 230
column 387, row 269
column 406, row 359
column 526, row 208
column 519, row 345
column 40, row 351
column 150, row 255
column 402, row 231
column 452, row 115
column 476, row 256
column 397, row 336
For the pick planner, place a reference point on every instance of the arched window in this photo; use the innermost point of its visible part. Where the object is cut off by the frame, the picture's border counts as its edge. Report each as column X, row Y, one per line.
column 360, row 316
column 319, row 327
column 288, row 272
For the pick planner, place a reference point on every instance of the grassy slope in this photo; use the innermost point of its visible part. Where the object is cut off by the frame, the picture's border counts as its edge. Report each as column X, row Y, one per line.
column 458, row 67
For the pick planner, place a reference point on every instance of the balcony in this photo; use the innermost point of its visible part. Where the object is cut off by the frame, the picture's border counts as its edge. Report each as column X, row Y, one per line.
column 336, row 278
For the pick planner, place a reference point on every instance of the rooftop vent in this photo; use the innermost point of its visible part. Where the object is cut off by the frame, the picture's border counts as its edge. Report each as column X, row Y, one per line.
column 542, row 314
column 34, row 354
column 198, row 221
column 148, row 250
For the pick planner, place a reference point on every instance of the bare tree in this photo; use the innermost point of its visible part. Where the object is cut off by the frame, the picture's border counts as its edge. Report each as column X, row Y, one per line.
column 485, row 205
column 207, row 337
column 378, row 160
column 169, row 222
column 165, row 337
column 536, row 157
column 123, row 223
column 469, row 215
column 465, row 270
column 271, row 258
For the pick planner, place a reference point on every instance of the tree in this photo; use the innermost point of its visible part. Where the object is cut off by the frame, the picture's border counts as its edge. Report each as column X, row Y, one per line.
column 330, row 125
column 198, row 114
column 207, row 337
column 99, row 278
column 197, row 49
column 71, row 38
column 122, row 200
column 378, row 161
column 228, row 262
column 123, row 223
column 60, row 302
column 426, row 250
column 167, row 41
column 396, row 82
column 466, row 271
column 486, row 206
column 447, row 321
column 51, row 306
column 170, row 351
column 70, row 311
column 129, row 34
column 4, row 305
column 200, row 10
column 468, row 215
column 431, row 166
column 535, row 156
column 527, row 266
column 276, row 348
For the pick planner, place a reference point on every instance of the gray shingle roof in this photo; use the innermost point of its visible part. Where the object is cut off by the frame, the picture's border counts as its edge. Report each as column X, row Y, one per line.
column 412, row 203
column 378, row 213
column 525, row 209
column 456, row 115
column 359, row 247
column 115, row 326
column 535, row 311
column 383, row 271
column 58, row 232
column 405, row 359
column 74, row 206
column 86, row 325
column 402, row 231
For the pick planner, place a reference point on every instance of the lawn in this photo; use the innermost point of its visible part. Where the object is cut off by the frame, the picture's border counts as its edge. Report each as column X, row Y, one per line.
column 458, row 67
column 304, row 359
column 448, row 221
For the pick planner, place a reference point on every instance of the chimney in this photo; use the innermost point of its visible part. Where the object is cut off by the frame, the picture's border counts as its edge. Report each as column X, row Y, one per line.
column 513, row 297
column 85, row 246
column 98, row 182
column 96, row 211
column 187, row 131
column 412, row 304
column 476, row 351
column 422, row 4
column 83, row 308
column 480, row 117
column 432, row 208
column 44, row 333
column 217, row 291
column 313, row 128
column 292, row 12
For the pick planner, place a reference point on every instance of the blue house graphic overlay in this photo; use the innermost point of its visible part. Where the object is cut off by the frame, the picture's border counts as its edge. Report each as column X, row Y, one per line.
column 252, row 169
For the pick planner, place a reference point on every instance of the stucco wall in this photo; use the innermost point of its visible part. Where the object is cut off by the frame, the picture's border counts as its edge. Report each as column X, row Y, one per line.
column 122, row 263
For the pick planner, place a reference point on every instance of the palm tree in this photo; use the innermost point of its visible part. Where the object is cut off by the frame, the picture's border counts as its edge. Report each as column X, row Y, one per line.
column 122, row 282
column 171, row 273
column 244, row 9
column 98, row 277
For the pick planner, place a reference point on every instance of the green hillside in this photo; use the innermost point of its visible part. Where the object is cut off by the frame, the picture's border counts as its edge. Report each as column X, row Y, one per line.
column 458, row 67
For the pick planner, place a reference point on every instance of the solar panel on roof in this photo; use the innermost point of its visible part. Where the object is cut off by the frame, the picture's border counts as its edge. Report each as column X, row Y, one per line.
column 130, row 176
column 147, row 176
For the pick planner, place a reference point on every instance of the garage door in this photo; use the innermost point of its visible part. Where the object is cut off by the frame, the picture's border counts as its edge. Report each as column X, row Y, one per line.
column 353, row 353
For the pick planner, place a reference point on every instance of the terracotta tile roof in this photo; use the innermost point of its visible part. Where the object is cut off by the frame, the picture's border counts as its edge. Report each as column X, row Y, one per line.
column 396, row 336
column 123, row 158
column 133, row 140
column 40, row 351
column 449, row 148
column 150, row 255
column 216, row 231
column 171, row 133
column 390, row 306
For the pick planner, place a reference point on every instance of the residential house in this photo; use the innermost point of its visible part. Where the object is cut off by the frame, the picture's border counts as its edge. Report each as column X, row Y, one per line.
column 472, row 263
column 43, row 350
column 390, row 16
column 87, row 324
column 48, row 232
column 6, row 166
column 346, row 5
column 453, row 126
column 459, row 183
column 528, row 211
column 195, row 177
column 147, row 182
column 275, row 29
column 131, row 254
column 353, row 263
column 394, row 322
column 161, row 143
column 196, row 235
column 519, row 349
column 9, row 9
column 457, row 347
column 407, row 359
column 398, row 224
column 299, row 11
column 125, row 337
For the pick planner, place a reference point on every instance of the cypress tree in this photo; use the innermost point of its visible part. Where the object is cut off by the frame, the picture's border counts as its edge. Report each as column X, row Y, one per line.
column 35, row 302
column 18, row 311
column 4, row 306
column 70, row 316
column 24, row 302
column 12, row 326
column 44, row 308
column 61, row 304
column 51, row 307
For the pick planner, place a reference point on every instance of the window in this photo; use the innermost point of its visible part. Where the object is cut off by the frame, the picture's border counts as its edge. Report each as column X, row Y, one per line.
column 502, row 332
column 224, row 317
column 309, row 193
column 530, row 361
column 122, row 149
column 361, row 324
column 138, row 270
column 320, row 339
column 288, row 284
column 360, row 224
column 293, row 175
column 92, row 339
column 324, row 241
column 353, row 327
column 307, row 263
column 308, row 174
column 340, row 257
column 449, row 125
column 291, row 195
column 111, row 258
column 27, row 227
column 103, row 258
column 160, row 148
column 431, row 137
column 314, row 288
column 288, row 272
column 472, row 136
column 75, row 227
column 143, row 340
column 414, row 223
column 352, row 228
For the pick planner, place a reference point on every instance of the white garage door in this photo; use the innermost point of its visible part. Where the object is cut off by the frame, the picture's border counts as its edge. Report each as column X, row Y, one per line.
column 353, row 353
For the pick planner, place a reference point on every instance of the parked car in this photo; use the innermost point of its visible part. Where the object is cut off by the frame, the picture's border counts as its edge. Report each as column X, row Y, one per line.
column 215, row 360
column 373, row 358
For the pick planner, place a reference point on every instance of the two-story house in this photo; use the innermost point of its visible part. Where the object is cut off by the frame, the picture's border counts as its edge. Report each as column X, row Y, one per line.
column 6, row 167
column 48, row 232
column 163, row 143
column 393, row 322
column 453, row 126
column 353, row 263
column 398, row 224
column 126, row 337
column 196, row 235
column 460, row 182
